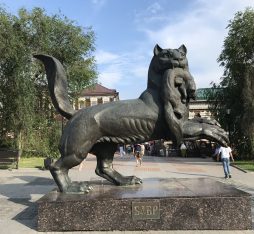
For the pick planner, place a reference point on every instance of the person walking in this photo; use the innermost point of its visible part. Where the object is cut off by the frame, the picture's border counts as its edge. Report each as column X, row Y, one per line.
column 139, row 151
column 183, row 150
column 225, row 153
column 216, row 151
column 129, row 149
column 122, row 152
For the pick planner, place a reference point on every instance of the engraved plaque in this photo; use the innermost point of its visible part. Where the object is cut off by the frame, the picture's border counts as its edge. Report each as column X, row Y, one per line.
column 146, row 210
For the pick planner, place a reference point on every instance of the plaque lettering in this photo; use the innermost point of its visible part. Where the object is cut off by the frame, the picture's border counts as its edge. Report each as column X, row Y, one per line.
column 146, row 210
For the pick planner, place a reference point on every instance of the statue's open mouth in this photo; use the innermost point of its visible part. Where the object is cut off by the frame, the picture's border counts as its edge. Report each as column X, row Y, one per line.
column 184, row 100
column 192, row 94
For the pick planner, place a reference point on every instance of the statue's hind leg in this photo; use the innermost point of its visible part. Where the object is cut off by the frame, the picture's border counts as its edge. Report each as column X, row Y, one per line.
column 105, row 154
column 59, row 171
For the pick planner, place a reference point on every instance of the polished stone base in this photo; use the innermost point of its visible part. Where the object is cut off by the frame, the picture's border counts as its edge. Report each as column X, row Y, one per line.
column 157, row 204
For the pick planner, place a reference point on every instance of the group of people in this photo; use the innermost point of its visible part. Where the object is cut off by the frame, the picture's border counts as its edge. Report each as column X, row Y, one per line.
column 138, row 150
column 222, row 153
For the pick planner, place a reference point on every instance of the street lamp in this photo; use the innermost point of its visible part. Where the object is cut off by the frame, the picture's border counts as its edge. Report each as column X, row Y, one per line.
column 228, row 112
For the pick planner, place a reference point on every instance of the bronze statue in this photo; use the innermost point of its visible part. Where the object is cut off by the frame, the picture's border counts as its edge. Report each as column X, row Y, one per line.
column 161, row 112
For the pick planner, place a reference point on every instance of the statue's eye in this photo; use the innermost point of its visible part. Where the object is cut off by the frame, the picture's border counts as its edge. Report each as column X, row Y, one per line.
column 170, row 54
column 182, row 54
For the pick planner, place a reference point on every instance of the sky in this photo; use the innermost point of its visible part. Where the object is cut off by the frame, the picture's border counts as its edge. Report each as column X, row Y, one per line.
column 127, row 31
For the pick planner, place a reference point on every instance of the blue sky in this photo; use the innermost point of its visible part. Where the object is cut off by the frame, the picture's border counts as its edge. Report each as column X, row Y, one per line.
column 127, row 31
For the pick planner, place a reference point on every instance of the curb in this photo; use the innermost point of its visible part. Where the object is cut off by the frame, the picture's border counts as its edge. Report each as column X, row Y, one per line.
column 235, row 166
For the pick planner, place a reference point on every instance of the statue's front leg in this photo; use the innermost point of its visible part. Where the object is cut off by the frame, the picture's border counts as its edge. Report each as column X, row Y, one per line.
column 197, row 130
column 107, row 172
column 105, row 154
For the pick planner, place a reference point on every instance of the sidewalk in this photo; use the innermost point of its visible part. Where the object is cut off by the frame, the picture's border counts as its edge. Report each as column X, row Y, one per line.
column 19, row 189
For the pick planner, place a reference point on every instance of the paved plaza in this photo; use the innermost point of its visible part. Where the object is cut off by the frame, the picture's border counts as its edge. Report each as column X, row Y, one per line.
column 20, row 189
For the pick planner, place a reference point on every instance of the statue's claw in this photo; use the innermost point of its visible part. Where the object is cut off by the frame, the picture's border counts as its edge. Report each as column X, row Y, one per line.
column 130, row 180
column 115, row 177
column 136, row 180
column 197, row 130
column 79, row 188
column 205, row 120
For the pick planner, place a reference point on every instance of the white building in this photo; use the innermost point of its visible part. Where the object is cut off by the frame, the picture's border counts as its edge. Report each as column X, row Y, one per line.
column 98, row 94
column 200, row 105
column 94, row 95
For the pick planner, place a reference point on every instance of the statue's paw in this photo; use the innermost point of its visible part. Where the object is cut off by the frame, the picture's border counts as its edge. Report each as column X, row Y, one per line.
column 130, row 180
column 216, row 133
column 135, row 180
column 205, row 121
column 78, row 188
column 195, row 130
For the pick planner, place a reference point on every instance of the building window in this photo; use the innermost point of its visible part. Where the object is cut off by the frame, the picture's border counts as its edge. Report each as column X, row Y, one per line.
column 99, row 100
column 111, row 99
column 76, row 105
column 93, row 102
column 105, row 99
column 197, row 114
column 88, row 102
column 81, row 104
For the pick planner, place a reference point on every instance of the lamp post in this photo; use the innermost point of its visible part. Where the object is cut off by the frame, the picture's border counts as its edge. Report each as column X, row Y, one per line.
column 228, row 112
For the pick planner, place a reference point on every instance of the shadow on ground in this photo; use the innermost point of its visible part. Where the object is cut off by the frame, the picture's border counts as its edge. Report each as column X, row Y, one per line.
column 28, row 216
column 25, row 194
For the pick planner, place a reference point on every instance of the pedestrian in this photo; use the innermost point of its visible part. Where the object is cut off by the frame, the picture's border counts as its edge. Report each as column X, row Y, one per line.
column 139, row 151
column 147, row 148
column 183, row 150
column 216, row 151
column 122, row 152
column 225, row 153
column 129, row 149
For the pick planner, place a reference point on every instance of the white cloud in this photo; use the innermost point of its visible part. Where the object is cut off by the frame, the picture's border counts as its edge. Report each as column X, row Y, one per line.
column 121, row 69
column 154, row 8
column 202, row 29
column 99, row 3
column 150, row 14
column 110, row 77
column 140, row 71
column 103, row 57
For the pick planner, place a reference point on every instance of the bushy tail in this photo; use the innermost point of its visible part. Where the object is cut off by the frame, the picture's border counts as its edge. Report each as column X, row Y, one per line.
column 57, row 84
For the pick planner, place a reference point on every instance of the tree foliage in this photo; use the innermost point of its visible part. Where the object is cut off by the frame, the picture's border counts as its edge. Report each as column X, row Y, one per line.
column 236, row 89
column 25, row 107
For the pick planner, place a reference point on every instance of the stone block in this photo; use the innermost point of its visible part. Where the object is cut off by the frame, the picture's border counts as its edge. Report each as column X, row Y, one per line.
column 157, row 204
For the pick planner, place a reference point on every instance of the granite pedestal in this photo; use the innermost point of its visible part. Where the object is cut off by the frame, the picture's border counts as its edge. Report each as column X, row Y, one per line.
column 157, row 204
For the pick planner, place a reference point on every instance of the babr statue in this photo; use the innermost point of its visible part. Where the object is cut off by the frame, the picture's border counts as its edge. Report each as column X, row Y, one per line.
column 161, row 112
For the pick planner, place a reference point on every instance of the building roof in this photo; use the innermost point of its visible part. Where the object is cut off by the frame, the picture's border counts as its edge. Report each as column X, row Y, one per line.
column 201, row 94
column 98, row 90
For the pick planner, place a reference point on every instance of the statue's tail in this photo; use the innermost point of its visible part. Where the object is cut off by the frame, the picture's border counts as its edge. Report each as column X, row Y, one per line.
column 57, row 84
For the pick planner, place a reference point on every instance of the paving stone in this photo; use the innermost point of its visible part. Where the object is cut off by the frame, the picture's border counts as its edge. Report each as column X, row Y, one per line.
column 15, row 185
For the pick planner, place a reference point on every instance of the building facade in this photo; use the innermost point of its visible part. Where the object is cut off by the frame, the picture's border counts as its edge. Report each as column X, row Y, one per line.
column 98, row 94
column 199, row 107
column 94, row 95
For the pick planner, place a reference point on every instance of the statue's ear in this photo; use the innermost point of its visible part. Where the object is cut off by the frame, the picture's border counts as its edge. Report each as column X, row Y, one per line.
column 183, row 48
column 157, row 49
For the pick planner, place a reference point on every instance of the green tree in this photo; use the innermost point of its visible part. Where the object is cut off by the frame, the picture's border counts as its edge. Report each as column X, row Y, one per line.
column 26, row 111
column 236, row 89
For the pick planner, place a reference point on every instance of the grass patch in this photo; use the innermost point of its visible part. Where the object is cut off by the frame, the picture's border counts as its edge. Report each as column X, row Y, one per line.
column 245, row 165
column 31, row 162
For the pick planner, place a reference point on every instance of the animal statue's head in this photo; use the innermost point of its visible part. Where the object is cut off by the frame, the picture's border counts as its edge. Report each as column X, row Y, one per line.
column 168, row 59
column 169, row 75
column 164, row 59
